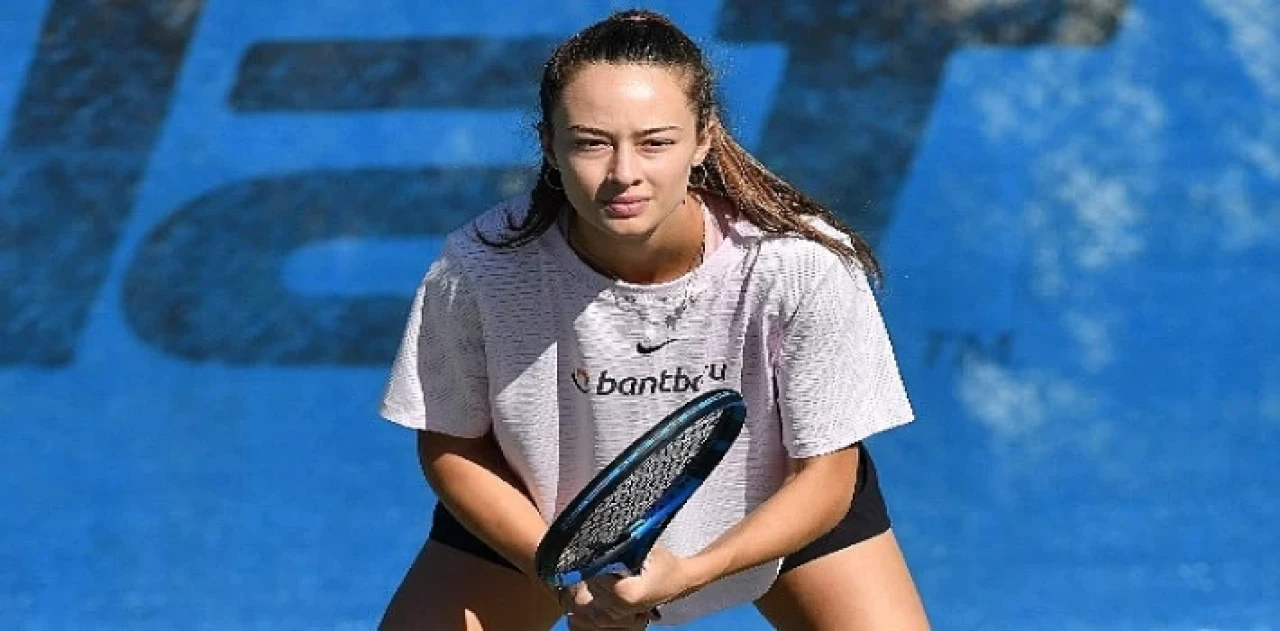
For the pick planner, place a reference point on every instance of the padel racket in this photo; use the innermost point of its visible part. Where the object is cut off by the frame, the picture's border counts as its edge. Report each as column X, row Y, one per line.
column 612, row 524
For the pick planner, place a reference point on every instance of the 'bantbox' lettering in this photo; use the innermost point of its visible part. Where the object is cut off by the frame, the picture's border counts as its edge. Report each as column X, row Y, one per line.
column 665, row 381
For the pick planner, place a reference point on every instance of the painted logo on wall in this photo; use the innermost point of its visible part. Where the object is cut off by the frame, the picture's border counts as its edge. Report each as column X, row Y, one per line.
column 195, row 161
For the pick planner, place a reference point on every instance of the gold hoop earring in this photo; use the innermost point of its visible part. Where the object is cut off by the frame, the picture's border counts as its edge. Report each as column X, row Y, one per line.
column 546, row 179
column 698, row 182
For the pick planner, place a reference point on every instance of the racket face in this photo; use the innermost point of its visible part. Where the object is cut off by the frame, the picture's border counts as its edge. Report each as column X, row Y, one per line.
column 615, row 519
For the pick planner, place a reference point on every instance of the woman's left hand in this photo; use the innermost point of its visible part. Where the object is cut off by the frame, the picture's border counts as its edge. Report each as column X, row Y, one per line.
column 583, row 614
column 665, row 577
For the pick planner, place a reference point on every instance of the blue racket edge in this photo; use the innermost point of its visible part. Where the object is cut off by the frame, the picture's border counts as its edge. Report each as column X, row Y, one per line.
column 628, row 555
column 611, row 475
column 627, row 558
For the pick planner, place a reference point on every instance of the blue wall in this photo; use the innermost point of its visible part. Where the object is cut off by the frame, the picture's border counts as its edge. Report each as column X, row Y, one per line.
column 212, row 214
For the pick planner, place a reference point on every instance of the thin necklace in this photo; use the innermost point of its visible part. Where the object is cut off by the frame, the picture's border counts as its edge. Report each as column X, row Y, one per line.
column 653, row 327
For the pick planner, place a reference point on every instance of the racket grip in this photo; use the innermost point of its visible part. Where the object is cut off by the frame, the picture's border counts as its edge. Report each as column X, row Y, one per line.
column 622, row 571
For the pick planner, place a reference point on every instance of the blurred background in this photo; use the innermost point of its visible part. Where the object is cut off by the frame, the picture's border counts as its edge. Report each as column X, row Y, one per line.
column 213, row 214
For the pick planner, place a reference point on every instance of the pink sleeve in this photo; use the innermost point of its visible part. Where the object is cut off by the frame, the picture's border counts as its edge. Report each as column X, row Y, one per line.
column 438, row 380
column 837, row 378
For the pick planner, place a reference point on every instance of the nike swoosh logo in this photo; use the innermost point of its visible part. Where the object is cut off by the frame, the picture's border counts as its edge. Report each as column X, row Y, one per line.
column 645, row 350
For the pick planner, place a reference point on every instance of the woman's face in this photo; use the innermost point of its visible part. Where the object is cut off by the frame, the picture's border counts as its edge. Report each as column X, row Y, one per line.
column 625, row 139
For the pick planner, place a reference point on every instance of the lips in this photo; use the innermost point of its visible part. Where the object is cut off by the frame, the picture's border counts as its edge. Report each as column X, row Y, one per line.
column 626, row 206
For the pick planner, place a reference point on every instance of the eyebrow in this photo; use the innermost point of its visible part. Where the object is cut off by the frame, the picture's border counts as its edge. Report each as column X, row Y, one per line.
column 601, row 132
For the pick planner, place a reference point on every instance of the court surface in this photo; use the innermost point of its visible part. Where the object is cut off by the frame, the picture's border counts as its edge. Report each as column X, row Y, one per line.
column 1082, row 246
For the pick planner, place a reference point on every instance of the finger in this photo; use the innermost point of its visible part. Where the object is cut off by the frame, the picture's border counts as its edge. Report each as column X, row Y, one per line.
column 630, row 593
column 579, row 595
column 579, row 607
column 604, row 594
column 608, row 618
column 623, row 595
column 586, row 610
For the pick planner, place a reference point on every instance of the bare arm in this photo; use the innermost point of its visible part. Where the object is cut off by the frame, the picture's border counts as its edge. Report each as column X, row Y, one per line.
column 473, row 480
column 810, row 503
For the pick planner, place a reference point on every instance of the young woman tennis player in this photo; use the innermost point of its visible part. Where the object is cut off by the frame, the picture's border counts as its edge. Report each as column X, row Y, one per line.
column 655, row 259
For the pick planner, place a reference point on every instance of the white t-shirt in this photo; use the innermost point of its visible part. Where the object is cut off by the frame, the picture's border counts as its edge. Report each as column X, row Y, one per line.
column 567, row 367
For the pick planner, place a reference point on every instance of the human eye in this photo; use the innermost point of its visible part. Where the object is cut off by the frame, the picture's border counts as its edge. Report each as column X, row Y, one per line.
column 589, row 144
column 658, row 143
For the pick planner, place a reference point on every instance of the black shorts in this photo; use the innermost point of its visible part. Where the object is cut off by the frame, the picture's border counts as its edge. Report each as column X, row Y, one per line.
column 867, row 517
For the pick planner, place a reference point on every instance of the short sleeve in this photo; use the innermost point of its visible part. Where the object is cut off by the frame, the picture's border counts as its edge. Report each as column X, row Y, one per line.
column 438, row 380
column 837, row 378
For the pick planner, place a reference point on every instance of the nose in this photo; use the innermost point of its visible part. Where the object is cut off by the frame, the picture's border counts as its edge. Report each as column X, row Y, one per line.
column 625, row 171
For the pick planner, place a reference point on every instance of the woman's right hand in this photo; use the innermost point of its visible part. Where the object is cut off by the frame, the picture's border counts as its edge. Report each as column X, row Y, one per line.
column 583, row 615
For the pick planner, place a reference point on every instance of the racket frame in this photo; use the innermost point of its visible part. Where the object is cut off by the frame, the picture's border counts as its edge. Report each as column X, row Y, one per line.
column 630, row 549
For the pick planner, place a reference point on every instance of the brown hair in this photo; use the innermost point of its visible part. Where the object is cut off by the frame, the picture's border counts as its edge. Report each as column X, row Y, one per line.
column 757, row 194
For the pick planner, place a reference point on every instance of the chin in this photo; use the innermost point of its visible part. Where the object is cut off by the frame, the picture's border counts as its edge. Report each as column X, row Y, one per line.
column 629, row 228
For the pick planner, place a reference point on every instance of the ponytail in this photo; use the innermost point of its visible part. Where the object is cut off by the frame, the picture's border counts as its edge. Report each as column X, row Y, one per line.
column 773, row 204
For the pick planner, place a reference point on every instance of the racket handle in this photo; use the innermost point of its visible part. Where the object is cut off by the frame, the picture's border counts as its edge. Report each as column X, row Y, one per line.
column 620, row 570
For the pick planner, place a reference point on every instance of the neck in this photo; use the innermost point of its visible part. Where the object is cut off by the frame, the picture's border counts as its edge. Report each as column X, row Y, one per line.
column 660, row 257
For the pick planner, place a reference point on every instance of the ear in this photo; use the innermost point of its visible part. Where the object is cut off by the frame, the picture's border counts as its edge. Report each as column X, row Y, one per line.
column 544, row 141
column 704, row 143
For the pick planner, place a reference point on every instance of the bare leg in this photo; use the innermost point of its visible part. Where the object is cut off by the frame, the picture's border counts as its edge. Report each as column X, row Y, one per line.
column 449, row 590
column 865, row 586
